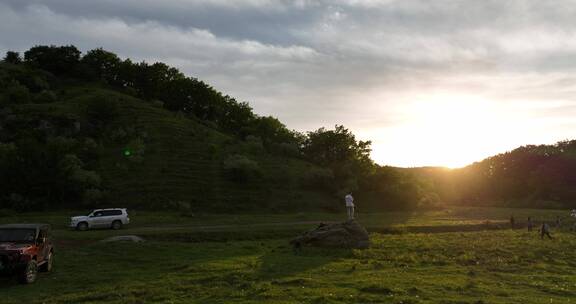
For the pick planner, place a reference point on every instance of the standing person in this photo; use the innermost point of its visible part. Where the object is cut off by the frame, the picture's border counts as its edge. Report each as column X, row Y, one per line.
column 512, row 221
column 349, row 205
column 530, row 224
column 545, row 230
column 558, row 221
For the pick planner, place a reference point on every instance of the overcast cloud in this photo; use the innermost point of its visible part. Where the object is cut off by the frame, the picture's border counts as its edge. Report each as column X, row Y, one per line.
column 389, row 70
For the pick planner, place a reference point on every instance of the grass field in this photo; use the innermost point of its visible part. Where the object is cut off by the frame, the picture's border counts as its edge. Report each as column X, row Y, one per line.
column 246, row 259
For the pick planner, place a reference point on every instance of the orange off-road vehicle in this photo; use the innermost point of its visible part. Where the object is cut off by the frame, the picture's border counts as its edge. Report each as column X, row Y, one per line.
column 25, row 249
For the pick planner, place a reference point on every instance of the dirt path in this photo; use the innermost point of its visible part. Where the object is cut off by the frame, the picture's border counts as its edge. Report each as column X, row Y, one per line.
column 311, row 224
column 192, row 227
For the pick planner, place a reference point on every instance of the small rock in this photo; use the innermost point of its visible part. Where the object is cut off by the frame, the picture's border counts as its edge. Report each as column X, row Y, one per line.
column 124, row 238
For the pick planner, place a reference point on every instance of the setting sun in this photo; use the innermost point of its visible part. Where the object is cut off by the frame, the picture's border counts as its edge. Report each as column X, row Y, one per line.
column 448, row 130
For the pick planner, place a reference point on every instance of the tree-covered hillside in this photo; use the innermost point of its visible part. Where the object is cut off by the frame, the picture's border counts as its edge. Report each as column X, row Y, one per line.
column 541, row 176
column 534, row 175
column 93, row 130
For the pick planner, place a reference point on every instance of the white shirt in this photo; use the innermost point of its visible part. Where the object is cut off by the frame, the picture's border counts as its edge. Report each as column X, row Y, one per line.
column 349, row 200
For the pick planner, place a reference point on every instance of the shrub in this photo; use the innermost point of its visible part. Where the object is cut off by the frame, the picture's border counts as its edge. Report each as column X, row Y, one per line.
column 90, row 147
column 34, row 83
column 92, row 197
column 19, row 202
column 239, row 168
column 318, row 178
column 212, row 151
column 7, row 213
column 253, row 144
column 135, row 150
column 285, row 149
column 119, row 135
column 157, row 103
column 86, row 178
column 183, row 207
column 102, row 109
column 12, row 57
column 7, row 150
column 45, row 96
column 17, row 94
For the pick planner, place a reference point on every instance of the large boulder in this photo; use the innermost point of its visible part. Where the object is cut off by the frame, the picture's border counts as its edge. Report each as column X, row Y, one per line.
column 349, row 234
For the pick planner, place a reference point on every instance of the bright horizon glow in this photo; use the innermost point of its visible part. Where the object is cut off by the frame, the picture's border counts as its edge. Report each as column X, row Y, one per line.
column 453, row 131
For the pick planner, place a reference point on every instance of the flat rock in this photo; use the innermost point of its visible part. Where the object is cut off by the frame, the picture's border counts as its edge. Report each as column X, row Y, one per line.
column 349, row 234
column 124, row 238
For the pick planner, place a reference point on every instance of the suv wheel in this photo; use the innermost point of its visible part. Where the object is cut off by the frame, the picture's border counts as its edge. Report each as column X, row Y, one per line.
column 116, row 225
column 47, row 267
column 29, row 274
column 82, row 226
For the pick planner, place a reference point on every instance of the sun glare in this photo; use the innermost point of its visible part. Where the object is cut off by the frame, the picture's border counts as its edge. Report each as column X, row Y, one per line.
column 446, row 130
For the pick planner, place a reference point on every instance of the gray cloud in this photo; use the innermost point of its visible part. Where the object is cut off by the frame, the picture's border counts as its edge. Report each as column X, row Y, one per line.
column 314, row 63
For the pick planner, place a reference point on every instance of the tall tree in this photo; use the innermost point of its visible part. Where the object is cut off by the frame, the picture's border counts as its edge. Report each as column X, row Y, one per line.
column 102, row 64
column 56, row 59
column 12, row 57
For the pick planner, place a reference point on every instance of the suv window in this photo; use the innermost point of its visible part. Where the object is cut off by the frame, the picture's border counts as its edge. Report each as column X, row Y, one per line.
column 112, row 212
column 17, row 235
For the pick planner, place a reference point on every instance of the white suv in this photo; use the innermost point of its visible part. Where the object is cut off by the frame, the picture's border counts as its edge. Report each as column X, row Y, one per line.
column 101, row 218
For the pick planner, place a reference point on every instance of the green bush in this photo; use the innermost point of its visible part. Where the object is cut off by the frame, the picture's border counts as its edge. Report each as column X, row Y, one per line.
column 213, row 151
column 318, row 178
column 285, row 149
column 135, row 149
column 7, row 213
column 86, row 178
column 34, row 83
column 92, row 197
column 157, row 103
column 45, row 96
column 102, row 109
column 239, row 168
column 118, row 135
column 17, row 94
column 19, row 203
column 253, row 145
column 183, row 207
column 12, row 57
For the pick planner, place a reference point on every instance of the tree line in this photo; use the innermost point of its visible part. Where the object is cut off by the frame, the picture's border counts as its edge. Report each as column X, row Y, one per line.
column 55, row 166
column 537, row 176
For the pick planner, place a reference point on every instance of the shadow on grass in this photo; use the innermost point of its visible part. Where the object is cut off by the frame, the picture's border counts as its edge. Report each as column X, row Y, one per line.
column 276, row 265
column 11, row 280
column 7, row 281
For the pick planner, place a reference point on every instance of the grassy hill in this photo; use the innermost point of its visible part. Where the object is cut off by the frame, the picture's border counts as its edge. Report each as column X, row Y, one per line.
column 149, row 157
column 94, row 130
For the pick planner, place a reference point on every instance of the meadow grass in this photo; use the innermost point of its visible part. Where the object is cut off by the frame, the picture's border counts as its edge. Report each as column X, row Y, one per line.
column 496, row 266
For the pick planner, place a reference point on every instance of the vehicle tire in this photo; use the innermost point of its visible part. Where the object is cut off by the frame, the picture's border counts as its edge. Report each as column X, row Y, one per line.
column 47, row 267
column 29, row 274
column 83, row 226
column 116, row 225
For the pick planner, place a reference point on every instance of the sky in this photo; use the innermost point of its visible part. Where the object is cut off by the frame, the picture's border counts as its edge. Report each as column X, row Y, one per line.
column 430, row 83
